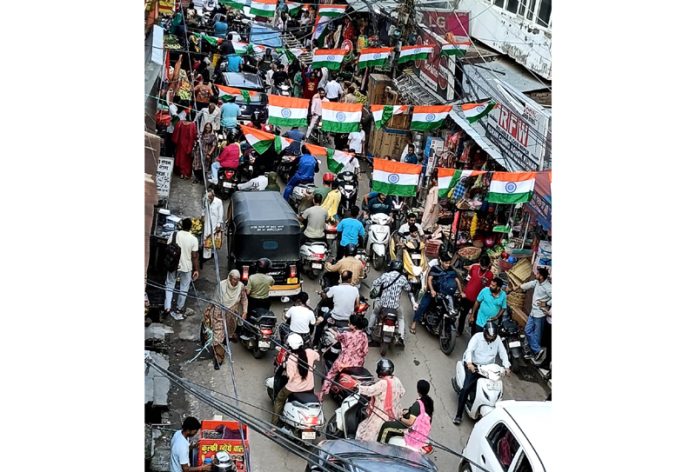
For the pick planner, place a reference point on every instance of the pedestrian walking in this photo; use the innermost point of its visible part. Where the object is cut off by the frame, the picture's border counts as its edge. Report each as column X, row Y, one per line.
column 185, row 273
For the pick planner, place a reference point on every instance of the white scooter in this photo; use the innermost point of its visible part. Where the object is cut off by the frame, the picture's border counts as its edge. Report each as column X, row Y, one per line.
column 378, row 234
column 488, row 391
column 348, row 416
column 300, row 193
column 312, row 257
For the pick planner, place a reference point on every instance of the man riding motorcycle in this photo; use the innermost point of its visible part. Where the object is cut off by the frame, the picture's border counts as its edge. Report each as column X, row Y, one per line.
column 392, row 282
column 411, row 219
column 299, row 318
column 482, row 349
column 306, row 168
column 349, row 262
column 375, row 202
column 346, row 299
column 441, row 279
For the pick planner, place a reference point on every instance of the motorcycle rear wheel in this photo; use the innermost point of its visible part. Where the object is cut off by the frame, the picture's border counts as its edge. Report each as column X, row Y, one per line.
column 331, row 429
column 448, row 340
column 378, row 262
column 258, row 353
column 383, row 348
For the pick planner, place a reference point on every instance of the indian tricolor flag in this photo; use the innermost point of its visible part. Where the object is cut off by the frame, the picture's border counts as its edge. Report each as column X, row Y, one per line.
column 511, row 187
column 226, row 93
column 329, row 58
column 447, row 178
column 382, row 113
column 395, row 178
column 340, row 117
column 262, row 141
column 475, row 111
column 331, row 11
column 265, row 8
column 293, row 8
column 287, row 111
column 414, row 53
column 373, row 57
column 236, row 4
column 455, row 49
column 428, row 118
column 336, row 159
column 243, row 48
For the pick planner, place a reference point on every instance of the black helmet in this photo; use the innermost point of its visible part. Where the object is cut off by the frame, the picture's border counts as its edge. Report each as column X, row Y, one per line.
column 396, row 265
column 490, row 330
column 385, row 367
column 351, row 250
column 263, row 265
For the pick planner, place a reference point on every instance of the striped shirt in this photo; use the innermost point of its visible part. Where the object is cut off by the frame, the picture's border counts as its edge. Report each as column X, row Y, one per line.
column 391, row 296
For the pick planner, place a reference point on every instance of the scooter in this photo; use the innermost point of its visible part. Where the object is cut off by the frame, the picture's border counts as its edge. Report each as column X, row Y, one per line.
column 344, row 423
column 440, row 320
column 331, row 234
column 386, row 329
column 301, row 193
column 348, row 187
column 514, row 340
column 378, row 239
column 415, row 263
column 313, row 253
column 302, row 412
column 258, row 338
column 227, row 182
column 361, row 255
column 488, row 391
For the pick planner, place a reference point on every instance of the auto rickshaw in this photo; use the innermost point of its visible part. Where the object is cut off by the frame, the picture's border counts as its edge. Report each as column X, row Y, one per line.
column 264, row 225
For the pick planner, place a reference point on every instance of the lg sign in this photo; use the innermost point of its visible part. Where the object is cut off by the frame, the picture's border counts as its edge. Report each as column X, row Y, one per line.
column 443, row 22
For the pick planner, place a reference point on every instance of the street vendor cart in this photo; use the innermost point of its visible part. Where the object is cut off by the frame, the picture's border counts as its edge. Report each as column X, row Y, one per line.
column 224, row 436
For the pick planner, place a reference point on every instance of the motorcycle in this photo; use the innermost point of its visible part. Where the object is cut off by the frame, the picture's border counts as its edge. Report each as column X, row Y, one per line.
column 514, row 341
column 257, row 339
column 301, row 193
column 286, row 167
column 488, row 391
column 246, row 163
column 348, row 187
column 302, row 412
column 441, row 320
column 414, row 262
column 361, row 255
column 227, row 182
column 331, row 234
column 344, row 423
column 312, row 257
column 346, row 382
column 386, row 328
column 378, row 233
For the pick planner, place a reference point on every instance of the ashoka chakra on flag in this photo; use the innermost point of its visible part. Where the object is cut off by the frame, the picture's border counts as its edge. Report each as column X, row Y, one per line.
column 393, row 178
column 340, row 116
column 330, row 58
column 285, row 113
column 510, row 187
column 429, row 117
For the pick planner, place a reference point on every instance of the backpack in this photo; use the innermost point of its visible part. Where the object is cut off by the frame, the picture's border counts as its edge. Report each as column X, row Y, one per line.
column 417, row 434
column 447, row 282
column 172, row 254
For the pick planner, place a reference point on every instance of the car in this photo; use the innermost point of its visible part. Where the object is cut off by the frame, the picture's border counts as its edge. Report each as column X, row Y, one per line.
column 352, row 454
column 257, row 102
column 514, row 437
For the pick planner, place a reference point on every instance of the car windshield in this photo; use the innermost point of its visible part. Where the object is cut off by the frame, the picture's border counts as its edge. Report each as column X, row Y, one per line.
column 243, row 80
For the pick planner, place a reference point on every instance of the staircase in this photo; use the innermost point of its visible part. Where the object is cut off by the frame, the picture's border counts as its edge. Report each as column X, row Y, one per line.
column 289, row 41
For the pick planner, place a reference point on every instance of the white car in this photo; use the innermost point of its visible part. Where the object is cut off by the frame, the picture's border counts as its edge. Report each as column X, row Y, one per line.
column 514, row 437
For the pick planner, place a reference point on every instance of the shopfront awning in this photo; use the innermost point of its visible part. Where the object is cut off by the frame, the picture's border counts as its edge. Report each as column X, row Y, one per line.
column 477, row 133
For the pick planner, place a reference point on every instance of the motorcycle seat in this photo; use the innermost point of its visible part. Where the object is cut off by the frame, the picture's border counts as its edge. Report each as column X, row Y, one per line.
column 303, row 397
column 357, row 372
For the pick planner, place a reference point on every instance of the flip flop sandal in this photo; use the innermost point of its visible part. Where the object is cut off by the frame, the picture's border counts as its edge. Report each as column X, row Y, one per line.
column 412, row 330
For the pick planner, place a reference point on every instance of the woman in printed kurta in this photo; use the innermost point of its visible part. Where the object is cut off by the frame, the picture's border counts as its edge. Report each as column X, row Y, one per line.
column 354, row 347
column 381, row 407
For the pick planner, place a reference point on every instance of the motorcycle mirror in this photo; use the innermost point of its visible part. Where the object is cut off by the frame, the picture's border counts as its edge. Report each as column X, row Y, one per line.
column 325, row 309
column 284, row 299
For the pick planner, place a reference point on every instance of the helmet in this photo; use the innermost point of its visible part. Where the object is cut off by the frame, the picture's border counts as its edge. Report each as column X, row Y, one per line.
column 263, row 265
column 328, row 178
column 490, row 330
column 384, row 367
column 351, row 250
column 396, row 265
column 295, row 341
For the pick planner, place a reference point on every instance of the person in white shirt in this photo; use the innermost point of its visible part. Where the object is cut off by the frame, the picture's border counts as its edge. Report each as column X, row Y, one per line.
column 186, row 272
column 315, row 109
column 180, row 445
column 211, row 223
column 269, row 74
column 346, row 299
column 324, row 77
column 482, row 349
column 356, row 139
column 257, row 183
column 411, row 220
column 301, row 317
column 209, row 115
column 334, row 91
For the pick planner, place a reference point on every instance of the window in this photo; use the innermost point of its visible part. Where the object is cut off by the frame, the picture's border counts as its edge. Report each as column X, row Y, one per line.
column 512, row 6
column 270, row 245
column 503, row 444
column 544, row 15
column 527, row 6
column 523, row 464
column 499, row 3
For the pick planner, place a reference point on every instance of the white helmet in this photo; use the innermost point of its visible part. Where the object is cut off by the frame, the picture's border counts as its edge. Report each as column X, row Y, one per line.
column 295, row 341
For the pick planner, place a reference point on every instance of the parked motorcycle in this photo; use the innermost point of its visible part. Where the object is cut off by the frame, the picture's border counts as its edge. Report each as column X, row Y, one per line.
column 257, row 338
column 378, row 232
column 488, row 391
column 441, row 320
column 302, row 412
column 313, row 253
column 386, row 329
column 348, row 187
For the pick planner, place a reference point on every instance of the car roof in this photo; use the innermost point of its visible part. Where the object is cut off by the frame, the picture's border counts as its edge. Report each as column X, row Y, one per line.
column 383, row 454
column 534, row 419
column 243, row 80
column 268, row 208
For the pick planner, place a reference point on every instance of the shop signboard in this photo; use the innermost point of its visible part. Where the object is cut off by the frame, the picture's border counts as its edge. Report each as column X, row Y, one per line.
column 436, row 71
column 442, row 21
column 165, row 168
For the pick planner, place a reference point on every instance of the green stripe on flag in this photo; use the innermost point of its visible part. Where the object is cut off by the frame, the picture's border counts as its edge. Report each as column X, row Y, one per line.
column 278, row 143
column 331, row 65
column 421, row 56
column 260, row 12
column 245, row 94
column 374, row 62
column 509, row 197
column 487, row 110
column 394, row 189
column 387, row 113
column 426, row 126
column 280, row 121
column 233, row 4
column 335, row 127
column 333, row 164
column 442, row 192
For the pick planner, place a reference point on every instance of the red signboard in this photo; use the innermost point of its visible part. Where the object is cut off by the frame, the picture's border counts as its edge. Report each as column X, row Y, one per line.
column 443, row 22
